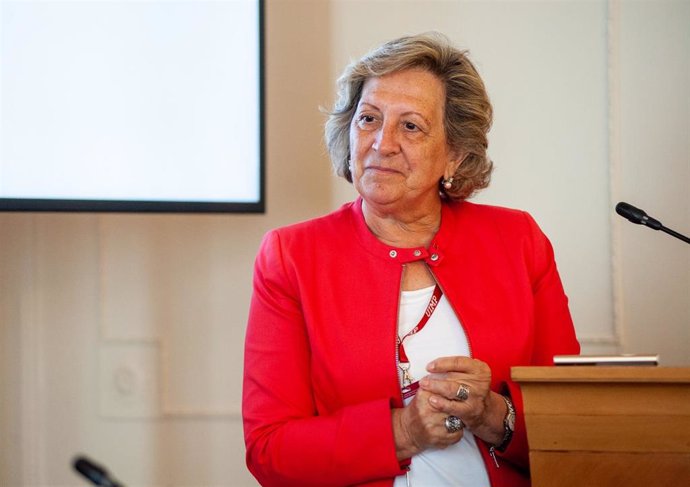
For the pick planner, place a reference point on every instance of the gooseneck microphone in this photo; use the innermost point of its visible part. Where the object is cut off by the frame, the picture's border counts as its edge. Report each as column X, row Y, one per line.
column 94, row 473
column 639, row 217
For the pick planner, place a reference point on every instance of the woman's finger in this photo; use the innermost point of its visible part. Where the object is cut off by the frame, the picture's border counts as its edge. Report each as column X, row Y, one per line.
column 428, row 426
column 456, row 363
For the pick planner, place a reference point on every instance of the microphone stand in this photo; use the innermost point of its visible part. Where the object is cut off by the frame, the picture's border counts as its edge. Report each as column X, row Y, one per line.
column 675, row 234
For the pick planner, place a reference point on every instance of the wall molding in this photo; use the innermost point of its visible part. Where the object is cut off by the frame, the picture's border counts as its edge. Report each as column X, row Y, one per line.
column 32, row 359
column 599, row 340
column 615, row 165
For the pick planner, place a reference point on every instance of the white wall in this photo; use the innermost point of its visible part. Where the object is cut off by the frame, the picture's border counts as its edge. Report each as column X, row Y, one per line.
column 121, row 335
column 651, row 167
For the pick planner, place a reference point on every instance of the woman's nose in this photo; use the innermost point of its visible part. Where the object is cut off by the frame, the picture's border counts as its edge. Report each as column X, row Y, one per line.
column 386, row 142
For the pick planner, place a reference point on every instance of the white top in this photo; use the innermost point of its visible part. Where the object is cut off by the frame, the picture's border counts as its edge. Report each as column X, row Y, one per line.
column 461, row 464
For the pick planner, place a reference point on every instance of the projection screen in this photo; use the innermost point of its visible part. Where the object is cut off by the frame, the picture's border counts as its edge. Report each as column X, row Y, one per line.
column 151, row 106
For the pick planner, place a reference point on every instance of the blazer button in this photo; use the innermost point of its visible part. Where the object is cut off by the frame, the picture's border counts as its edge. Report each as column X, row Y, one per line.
column 434, row 257
column 393, row 254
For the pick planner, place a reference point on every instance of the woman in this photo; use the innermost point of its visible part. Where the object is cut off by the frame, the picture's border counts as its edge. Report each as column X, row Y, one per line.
column 381, row 336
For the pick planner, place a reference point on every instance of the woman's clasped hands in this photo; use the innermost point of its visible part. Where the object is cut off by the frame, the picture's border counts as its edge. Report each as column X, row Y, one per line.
column 455, row 395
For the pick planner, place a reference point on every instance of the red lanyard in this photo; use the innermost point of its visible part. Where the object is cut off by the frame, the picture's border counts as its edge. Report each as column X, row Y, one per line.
column 410, row 387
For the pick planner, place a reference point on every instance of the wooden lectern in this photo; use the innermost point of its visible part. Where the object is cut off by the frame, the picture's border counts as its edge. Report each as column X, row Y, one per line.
column 594, row 426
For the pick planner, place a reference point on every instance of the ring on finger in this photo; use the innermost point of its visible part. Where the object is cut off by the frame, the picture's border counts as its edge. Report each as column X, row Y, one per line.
column 463, row 393
column 454, row 424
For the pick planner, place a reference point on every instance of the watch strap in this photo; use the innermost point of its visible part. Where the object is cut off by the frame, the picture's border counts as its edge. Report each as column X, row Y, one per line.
column 508, row 425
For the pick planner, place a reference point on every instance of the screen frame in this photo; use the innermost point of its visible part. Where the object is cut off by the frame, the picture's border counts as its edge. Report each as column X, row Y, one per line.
column 167, row 206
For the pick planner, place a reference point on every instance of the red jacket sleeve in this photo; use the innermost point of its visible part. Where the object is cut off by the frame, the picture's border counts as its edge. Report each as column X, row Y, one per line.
column 554, row 332
column 288, row 442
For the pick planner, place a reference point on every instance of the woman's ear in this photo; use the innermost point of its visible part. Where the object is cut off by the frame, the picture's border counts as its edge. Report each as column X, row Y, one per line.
column 457, row 159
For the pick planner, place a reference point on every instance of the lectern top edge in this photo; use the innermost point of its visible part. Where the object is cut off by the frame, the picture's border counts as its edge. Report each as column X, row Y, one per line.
column 589, row 373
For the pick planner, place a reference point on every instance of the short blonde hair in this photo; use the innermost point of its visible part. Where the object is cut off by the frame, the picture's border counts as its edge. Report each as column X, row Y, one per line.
column 468, row 113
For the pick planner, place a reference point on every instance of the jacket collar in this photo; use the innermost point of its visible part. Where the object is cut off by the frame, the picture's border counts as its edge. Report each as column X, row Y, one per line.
column 433, row 255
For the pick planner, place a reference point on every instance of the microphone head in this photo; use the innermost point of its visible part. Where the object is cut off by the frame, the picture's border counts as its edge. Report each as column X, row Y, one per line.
column 93, row 472
column 633, row 214
column 638, row 216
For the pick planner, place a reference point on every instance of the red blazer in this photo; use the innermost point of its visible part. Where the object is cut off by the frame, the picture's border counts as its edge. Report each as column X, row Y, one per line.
column 320, row 371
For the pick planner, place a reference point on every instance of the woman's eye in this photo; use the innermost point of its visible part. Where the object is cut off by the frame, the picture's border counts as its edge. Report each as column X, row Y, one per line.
column 411, row 126
column 366, row 122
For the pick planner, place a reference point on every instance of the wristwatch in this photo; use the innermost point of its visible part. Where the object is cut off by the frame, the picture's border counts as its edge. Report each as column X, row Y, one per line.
column 508, row 425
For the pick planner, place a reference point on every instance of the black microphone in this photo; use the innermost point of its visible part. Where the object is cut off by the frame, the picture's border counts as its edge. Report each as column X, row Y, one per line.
column 640, row 217
column 94, row 473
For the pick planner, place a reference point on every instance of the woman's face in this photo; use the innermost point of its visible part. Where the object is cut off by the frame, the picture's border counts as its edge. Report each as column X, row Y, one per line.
column 397, row 140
